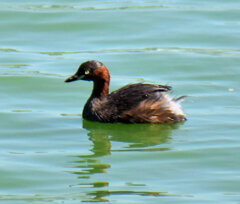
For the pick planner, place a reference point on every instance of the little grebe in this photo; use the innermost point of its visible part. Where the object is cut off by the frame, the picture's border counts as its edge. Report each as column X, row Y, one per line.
column 134, row 103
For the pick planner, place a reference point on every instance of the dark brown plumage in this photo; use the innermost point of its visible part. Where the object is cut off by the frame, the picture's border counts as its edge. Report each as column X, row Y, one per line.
column 135, row 103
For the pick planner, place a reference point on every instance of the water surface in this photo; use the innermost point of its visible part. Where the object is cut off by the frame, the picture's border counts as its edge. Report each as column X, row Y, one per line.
column 50, row 154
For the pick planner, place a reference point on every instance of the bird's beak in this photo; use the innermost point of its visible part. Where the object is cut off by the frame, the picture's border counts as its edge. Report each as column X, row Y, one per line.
column 72, row 78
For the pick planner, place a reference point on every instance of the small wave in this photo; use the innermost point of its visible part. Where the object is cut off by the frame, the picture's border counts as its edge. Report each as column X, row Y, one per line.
column 14, row 65
column 34, row 73
column 70, row 114
column 207, row 51
column 8, row 50
column 21, row 110
column 142, row 149
column 232, row 107
column 126, row 7
column 169, row 7
column 16, row 152
column 114, row 6
column 36, row 7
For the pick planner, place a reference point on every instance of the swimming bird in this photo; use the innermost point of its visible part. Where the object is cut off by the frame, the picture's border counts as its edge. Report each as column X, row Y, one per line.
column 134, row 103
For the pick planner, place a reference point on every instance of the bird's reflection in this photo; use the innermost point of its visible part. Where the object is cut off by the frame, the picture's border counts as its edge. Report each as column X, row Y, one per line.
column 136, row 137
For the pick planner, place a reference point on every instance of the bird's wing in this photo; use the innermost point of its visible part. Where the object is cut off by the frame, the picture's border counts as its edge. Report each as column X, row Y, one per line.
column 131, row 95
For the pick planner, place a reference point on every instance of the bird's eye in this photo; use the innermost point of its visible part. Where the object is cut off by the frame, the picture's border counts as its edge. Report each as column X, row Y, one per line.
column 87, row 72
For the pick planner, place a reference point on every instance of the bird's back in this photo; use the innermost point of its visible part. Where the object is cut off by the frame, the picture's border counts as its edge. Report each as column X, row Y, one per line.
column 135, row 103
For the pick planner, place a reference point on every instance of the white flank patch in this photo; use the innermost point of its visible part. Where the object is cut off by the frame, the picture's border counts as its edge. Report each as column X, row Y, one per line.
column 172, row 105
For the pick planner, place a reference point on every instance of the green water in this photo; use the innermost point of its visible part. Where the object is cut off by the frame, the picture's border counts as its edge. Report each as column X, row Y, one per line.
column 50, row 155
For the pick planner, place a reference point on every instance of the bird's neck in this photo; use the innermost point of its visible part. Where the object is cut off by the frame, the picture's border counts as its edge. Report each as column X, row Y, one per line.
column 100, row 88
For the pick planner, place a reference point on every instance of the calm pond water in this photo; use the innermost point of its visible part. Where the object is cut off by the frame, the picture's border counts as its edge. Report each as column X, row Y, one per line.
column 49, row 154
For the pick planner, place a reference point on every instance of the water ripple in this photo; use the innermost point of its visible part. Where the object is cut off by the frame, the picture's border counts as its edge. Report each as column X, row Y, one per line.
column 34, row 73
column 14, row 65
column 94, row 196
column 114, row 6
column 194, row 50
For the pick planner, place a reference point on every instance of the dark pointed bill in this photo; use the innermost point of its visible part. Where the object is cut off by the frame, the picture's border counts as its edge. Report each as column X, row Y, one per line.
column 72, row 78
